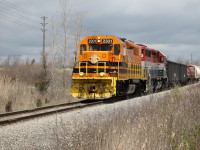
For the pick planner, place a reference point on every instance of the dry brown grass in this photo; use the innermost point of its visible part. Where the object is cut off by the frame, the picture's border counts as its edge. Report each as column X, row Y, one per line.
column 170, row 123
column 20, row 95
column 19, row 91
column 25, row 73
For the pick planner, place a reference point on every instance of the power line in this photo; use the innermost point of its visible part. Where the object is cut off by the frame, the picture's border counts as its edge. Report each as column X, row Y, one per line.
column 20, row 9
column 18, row 15
column 16, row 22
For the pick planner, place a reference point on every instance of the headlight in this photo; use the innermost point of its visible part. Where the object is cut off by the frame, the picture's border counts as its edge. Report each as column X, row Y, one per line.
column 81, row 74
column 102, row 74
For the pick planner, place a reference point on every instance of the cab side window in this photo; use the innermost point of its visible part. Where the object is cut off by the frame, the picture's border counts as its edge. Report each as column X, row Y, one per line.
column 116, row 49
column 82, row 48
column 148, row 53
column 161, row 59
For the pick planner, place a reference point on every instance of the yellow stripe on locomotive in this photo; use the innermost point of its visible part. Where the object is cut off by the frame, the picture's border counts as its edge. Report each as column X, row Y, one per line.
column 107, row 64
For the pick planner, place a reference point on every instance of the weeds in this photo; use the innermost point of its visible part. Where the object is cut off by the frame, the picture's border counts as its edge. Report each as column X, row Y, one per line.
column 25, row 87
column 38, row 102
column 42, row 85
column 169, row 122
column 8, row 107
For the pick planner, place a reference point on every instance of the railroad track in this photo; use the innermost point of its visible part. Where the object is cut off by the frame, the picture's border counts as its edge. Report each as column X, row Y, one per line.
column 13, row 117
column 9, row 118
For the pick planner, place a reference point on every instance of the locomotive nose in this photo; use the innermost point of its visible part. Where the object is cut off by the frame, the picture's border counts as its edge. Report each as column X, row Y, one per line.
column 94, row 59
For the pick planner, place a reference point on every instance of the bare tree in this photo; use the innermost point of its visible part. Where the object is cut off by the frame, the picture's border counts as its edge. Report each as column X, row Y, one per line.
column 53, row 34
column 27, row 61
column 196, row 62
column 78, row 21
column 7, row 61
column 53, row 54
column 65, row 11
column 16, row 60
column 182, row 60
column 64, row 36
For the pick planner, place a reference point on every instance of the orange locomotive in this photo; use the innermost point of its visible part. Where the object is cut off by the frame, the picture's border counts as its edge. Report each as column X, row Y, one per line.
column 108, row 66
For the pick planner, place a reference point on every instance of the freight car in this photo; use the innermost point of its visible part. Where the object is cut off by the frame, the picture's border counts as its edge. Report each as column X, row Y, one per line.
column 193, row 73
column 176, row 73
column 109, row 66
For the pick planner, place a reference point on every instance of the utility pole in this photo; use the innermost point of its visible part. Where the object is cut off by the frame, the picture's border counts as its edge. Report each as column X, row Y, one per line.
column 43, row 50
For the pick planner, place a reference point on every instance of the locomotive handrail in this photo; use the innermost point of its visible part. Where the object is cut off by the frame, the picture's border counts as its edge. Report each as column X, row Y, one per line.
column 136, row 71
column 144, row 73
column 133, row 70
column 118, row 70
column 86, row 67
column 104, row 65
column 129, row 69
column 97, row 67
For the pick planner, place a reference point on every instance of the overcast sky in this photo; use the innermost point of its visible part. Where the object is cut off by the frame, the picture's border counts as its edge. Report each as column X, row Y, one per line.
column 171, row 26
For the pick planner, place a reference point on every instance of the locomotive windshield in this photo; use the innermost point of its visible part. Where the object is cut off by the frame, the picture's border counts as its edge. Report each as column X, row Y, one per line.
column 102, row 47
column 94, row 47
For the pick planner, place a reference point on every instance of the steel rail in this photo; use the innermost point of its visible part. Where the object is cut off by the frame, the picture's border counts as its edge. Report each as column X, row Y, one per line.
column 13, row 117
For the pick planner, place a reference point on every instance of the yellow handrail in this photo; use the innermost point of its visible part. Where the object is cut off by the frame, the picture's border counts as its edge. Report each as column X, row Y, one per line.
column 118, row 69
column 97, row 67
column 104, row 67
column 86, row 67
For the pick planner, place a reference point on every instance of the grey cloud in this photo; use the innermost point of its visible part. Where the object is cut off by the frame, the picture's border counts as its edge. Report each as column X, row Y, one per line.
column 153, row 29
column 173, row 24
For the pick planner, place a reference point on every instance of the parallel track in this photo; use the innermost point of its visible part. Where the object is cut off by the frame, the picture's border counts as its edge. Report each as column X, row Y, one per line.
column 13, row 117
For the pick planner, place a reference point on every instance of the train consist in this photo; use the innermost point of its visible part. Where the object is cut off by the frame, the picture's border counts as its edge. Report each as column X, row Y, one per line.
column 110, row 66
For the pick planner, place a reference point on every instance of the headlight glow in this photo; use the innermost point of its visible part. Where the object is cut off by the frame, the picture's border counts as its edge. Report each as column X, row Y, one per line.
column 81, row 74
column 102, row 74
